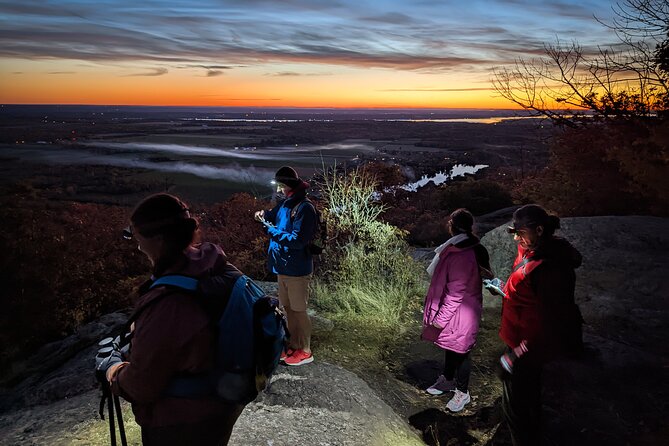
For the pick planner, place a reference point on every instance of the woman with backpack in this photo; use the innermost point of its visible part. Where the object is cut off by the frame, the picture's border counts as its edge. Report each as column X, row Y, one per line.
column 453, row 305
column 172, row 334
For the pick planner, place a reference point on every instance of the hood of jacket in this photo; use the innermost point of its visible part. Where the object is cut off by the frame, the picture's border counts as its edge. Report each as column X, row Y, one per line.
column 559, row 249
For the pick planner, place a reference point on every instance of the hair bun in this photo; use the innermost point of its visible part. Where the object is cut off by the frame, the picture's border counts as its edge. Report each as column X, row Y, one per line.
column 554, row 221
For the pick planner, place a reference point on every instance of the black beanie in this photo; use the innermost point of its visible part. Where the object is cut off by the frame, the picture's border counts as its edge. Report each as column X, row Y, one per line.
column 288, row 176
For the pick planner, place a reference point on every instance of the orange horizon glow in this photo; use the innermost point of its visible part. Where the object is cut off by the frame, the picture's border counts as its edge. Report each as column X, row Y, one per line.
column 67, row 83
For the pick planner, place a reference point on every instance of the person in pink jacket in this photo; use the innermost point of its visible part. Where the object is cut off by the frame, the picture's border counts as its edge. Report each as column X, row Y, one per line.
column 453, row 305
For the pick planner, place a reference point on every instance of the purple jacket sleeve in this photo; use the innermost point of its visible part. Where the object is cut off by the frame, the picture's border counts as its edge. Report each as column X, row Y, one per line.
column 458, row 276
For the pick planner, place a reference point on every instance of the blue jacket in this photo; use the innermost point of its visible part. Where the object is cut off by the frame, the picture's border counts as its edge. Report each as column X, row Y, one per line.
column 289, row 238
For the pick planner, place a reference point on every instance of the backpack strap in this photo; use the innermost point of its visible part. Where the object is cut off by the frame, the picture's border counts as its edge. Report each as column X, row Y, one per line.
column 297, row 207
column 177, row 281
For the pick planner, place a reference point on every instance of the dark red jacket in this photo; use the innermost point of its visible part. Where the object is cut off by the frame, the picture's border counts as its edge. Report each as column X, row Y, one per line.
column 172, row 336
column 539, row 305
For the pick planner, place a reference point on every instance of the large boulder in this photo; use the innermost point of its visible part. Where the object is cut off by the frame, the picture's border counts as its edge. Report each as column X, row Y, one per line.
column 320, row 404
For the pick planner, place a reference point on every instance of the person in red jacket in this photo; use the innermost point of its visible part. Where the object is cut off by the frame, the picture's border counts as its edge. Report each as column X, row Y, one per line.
column 540, row 319
column 172, row 334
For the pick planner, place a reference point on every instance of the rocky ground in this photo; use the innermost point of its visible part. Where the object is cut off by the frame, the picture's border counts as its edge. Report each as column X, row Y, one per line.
column 616, row 395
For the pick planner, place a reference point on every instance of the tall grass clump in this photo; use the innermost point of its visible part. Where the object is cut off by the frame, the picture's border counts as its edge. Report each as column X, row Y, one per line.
column 367, row 271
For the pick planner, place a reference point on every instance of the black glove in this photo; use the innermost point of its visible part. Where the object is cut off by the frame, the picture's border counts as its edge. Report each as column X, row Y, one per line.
column 103, row 364
column 108, row 355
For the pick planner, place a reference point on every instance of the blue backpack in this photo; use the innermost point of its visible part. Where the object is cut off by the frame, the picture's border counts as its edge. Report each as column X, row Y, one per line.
column 251, row 333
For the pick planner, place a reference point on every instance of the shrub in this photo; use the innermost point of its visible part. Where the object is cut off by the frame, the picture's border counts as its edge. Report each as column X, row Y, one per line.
column 231, row 225
column 367, row 270
column 479, row 196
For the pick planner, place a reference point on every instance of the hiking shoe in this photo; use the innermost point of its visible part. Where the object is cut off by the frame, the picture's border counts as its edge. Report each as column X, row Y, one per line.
column 299, row 357
column 458, row 402
column 286, row 353
column 442, row 385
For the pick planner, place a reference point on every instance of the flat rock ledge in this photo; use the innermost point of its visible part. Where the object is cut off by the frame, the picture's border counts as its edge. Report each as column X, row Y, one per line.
column 316, row 404
column 320, row 404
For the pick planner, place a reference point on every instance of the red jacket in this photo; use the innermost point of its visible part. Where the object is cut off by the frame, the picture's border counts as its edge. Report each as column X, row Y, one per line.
column 539, row 305
column 172, row 336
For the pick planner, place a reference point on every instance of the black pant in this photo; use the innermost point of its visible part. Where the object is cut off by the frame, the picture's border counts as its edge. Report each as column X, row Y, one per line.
column 214, row 432
column 458, row 366
column 521, row 401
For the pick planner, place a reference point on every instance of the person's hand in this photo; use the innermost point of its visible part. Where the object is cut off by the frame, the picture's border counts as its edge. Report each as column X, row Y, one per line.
column 435, row 324
column 508, row 358
column 259, row 215
column 113, row 370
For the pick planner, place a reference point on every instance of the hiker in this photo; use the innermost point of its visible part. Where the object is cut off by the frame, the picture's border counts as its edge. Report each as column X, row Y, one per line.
column 540, row 320
column 172, row 336
column 292, row 225
column 453, row 305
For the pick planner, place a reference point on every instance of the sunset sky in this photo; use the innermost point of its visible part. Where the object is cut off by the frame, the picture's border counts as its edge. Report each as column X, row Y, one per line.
column 303, row 53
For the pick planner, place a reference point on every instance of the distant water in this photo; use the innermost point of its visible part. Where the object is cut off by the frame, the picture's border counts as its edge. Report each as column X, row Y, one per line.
column 101, row 113
column 457, row 171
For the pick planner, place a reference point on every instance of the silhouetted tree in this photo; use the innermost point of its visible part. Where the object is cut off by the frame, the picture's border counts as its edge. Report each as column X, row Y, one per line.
column 617, row 160
column 626, row 80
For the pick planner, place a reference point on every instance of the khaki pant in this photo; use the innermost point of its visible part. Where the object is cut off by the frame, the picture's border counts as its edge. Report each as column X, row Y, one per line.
column 294, row 296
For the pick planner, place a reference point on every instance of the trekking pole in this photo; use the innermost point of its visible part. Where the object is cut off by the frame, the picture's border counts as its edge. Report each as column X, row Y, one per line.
column 107, row 395
column 119, row 416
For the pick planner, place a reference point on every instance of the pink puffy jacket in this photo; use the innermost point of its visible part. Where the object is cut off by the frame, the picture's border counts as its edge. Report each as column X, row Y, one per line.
column 454, row 301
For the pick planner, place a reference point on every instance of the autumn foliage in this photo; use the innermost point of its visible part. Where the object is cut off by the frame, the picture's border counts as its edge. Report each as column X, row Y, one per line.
column 65, row 263
column 612, row 168
column 231, row 225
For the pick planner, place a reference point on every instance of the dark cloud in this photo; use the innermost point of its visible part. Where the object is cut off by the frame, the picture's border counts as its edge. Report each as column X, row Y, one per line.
column 61, row 72
column 428, row 36
column 392, row 18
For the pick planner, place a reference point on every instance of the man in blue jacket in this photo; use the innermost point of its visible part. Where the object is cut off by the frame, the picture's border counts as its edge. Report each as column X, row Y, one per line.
column 291, row 226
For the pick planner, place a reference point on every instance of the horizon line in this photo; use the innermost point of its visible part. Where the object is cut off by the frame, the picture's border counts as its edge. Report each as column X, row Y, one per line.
column 293, row 107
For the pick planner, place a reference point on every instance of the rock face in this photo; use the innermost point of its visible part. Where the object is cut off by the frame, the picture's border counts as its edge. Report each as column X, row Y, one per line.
column 59, row 369
column 320, row 404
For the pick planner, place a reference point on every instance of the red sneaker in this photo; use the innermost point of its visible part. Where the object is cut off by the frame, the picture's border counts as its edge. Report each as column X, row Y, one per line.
column 299, row 357
column 286, row 353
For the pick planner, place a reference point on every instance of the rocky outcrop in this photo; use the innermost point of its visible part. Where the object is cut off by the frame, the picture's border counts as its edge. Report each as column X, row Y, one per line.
column 59, row 369
column 318, row 404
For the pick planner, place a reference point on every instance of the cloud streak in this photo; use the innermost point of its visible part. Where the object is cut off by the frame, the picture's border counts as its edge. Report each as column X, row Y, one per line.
column 428, row 36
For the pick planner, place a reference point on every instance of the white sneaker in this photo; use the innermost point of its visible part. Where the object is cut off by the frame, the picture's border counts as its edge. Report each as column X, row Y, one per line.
column 458, row 402
column 442, row 385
